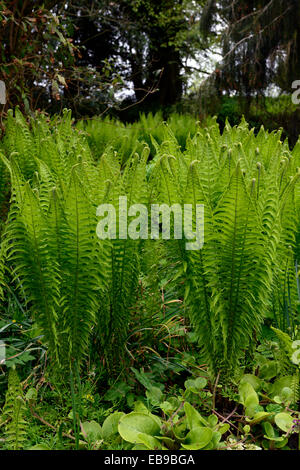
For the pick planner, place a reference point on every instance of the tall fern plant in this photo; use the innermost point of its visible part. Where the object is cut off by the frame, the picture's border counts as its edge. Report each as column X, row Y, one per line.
column 77, row 285
column 247, row 200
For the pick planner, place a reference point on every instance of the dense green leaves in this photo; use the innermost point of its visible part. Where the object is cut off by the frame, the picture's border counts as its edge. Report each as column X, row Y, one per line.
column 249, row 188
column 80, row 287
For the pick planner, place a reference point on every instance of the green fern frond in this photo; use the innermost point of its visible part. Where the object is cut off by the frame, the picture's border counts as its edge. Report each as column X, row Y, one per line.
column 14, row 411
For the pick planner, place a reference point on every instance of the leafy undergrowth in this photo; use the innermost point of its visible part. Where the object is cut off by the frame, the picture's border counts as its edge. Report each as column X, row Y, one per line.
column 170, row 403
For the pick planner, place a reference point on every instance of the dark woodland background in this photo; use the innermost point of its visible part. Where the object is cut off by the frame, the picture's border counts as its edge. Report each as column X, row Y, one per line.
column 226, row 58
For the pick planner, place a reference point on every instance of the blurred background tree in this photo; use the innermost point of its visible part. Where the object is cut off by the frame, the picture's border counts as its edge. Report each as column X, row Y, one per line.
column 260, row 43
column 82, row 54
column 260, row 60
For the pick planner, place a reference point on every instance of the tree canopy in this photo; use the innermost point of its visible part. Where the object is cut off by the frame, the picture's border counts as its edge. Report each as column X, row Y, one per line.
column 100, row 56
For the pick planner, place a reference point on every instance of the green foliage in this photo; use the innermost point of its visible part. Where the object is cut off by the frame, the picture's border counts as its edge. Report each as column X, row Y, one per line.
column 13, row 413
column 272, row 418
column 81, row 289
column 126, row 140
column 73, row 281
column 177, row 422
column 247, row 185
column 28, row 57
column 161, row 416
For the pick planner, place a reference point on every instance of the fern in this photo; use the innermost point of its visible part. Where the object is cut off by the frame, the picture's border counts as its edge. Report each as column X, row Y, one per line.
column 13, row 412
column 248, row 228
column 81, row 289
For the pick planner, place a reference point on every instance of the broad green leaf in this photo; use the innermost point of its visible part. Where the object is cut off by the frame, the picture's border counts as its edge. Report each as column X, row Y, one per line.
column 110, row 425
column 197, row 438
column 270, row 433
column 252, row 380
column 194, row 418
column 140, row 407
column 224, row 428
column 180, row 431
column 212, row 421
column 133, row 424
column 248, row 398
column 168, row 442
column 279, row 384
column 284, row 421
column 258, row 417
column 286, row 396
column 92, row 430
column 149, row 441
column 216, row 437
